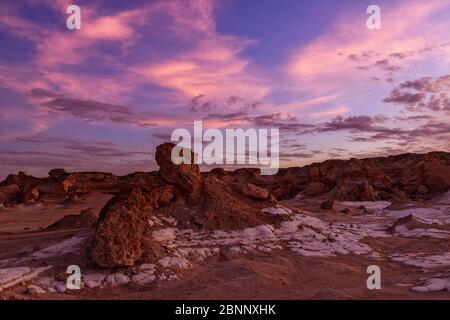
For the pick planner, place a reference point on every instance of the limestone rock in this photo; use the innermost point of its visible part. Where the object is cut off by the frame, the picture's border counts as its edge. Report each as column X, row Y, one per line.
column 254, row 191
column 366, row 192
column 185, row 176
column 120, row 229
column 86, row 219
column 314, row 188
column 327, row 205
column 9, row 192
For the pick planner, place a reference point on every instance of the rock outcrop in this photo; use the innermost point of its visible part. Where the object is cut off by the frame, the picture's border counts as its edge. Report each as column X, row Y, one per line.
column 314, row 188
column 9, row 192
column 122, row 223
column 406, row 176
column 254, row 191
column 86, row 219
column 327, row 205
column 186, row 177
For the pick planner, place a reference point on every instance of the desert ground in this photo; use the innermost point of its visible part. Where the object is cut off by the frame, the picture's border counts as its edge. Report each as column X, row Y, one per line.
column 247, row 243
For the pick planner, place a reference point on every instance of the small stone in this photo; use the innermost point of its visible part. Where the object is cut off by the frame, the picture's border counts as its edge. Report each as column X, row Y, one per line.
column 147, row 267
column 117, row 279
column 327, row 205
column 143, row 279
column 254, row 191
column 34, row 289
column 93, row 280
column 59, row 286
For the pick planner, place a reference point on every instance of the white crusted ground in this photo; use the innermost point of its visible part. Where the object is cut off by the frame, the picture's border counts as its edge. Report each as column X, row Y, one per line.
column 10, row 277
column 301, row 233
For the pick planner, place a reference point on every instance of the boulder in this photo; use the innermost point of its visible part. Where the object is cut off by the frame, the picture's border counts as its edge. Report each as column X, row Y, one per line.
column 327, row 205
column 9, row 192
column 314, row 174
column 30, row 194
column 121, row 226
column 422, row 189
column 409, row 221
column 86, row 219
column 254, row 191
column 436, row 176
column 314, row 189
column 57, row 173
column 56, row 189
column 186, row 177
column 365, row 192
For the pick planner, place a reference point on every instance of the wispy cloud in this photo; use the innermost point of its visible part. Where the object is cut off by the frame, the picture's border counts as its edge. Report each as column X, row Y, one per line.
column 427, row 94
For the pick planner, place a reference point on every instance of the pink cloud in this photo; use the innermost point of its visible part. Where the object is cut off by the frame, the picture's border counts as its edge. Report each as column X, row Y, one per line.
column 324, row 64
column 332, row 112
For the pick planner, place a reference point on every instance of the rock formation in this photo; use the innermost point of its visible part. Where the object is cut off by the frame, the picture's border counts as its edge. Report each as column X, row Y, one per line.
column 122, row 223
column 186, row 177
column 86, row 219
column 254, row 191
column 327, row 205
column 406, row 176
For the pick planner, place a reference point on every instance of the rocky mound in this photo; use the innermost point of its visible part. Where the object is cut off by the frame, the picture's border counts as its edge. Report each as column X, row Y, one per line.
column 86, row 219
column 61, row 185
column 393, row 178
column 410, row 222
column 226, row 206
column 199, row 201
column 214, row 199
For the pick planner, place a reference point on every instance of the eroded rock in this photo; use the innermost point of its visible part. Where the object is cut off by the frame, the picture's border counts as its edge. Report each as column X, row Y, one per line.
column 185, row 176
column 254, row 191
column 86, row 219
column 120, row 229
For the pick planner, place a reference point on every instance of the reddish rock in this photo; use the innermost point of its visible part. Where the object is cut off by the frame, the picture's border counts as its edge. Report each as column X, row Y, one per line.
column 314, row 189
column 436, row 175
column 422, row 189
column 57, row 174
column 327, row 205
column 314, row 174
column 56, row 189
column 410, row 222
column 254, row 191
column 30, row 194
column 86, row 219
column 366, row 192
column 287, row 183
column 121, row 226
column 9, row 192
column 185, row 176
column 219, row 172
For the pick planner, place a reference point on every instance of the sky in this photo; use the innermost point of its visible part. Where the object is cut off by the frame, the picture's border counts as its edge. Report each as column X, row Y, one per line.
column 101, row 98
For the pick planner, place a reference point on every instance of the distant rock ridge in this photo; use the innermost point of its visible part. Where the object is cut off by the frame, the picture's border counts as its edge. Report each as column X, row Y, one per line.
column 405, row 176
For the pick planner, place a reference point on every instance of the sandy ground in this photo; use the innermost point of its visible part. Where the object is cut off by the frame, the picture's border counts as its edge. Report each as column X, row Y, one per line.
column 23, row 218
column 318, row 254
